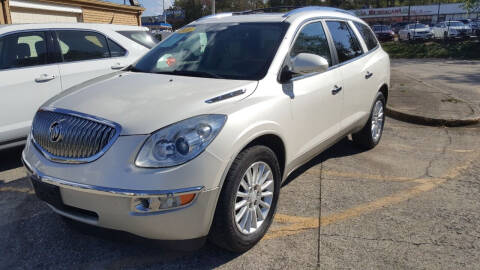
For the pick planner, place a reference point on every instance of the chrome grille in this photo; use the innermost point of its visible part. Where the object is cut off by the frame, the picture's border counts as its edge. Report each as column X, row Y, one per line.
column 67, row 136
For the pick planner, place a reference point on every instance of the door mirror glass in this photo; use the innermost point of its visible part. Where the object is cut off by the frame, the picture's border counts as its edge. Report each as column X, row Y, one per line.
column 306, row 63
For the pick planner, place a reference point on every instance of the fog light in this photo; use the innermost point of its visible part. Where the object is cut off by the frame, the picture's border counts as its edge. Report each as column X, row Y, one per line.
column 160, row 203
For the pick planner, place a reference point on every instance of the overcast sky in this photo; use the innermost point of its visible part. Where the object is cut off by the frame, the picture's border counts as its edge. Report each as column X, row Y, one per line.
column 153, row 7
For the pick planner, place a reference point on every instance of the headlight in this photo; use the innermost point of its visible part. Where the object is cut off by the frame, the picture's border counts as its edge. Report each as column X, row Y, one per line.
column 180, row 142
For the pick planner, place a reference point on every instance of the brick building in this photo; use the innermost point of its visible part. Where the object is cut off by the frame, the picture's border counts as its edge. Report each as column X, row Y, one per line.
column 48, row 11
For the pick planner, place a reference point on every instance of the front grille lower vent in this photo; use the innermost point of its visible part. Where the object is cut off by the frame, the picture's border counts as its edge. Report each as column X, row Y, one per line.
column 72, row 137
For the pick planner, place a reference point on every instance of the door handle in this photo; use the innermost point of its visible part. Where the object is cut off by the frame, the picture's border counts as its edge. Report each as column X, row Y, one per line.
column 336, row 90
column 117, row 66
column 45, row 78
column 368, row 75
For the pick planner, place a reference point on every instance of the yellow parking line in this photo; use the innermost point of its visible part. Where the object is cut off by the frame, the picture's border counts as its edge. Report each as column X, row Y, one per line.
column 298, row 224
column 13, row 175
column 331, row 173
column 14, row 189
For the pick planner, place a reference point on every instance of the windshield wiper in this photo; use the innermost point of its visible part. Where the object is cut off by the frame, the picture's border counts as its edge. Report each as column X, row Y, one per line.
column 132, row 68
column 192, row 73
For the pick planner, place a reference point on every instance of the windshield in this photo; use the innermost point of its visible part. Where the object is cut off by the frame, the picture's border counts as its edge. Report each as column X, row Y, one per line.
column 455, row 24
column 418, row 25
column 240, row 51
column 141, row 37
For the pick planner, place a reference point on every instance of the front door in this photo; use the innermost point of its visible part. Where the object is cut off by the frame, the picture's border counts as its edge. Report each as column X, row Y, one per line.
column 27, row 80
column 316, row 99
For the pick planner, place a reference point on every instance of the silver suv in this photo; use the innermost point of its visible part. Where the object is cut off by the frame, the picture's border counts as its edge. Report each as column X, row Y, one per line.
column 195, row 139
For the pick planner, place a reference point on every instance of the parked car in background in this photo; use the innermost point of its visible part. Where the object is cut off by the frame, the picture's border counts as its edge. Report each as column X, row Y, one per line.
column 196, row 137
column 38, row 61
column 475, row 26
column 383, row 32
column 451, row 29
column 415, row 31
column 396, row 27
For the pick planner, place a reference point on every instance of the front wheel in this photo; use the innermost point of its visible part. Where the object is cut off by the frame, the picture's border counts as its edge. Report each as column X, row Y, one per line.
column 371, row 133
column 248, row 200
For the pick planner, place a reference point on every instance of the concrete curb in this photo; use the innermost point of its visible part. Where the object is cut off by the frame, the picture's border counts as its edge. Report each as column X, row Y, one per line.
column 428, row 121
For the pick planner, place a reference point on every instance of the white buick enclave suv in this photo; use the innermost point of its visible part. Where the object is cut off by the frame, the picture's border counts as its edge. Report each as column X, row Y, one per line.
column 195, row 139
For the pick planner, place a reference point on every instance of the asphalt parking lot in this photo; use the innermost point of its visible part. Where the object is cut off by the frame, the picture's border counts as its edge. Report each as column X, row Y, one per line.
column 412, row 202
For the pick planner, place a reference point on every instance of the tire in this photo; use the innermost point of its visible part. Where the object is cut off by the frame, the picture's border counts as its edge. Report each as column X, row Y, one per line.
column 226, row 232
column 366, row 138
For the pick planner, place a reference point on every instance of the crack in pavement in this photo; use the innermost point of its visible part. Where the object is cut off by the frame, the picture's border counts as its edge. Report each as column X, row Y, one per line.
column 438, row 156
column 395, row 241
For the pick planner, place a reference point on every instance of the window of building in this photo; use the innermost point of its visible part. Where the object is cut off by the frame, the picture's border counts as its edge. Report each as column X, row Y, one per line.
column 23, row 50
column 346, row 43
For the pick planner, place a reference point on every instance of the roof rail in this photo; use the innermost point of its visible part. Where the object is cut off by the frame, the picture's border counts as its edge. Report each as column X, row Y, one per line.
column 218, row 16
column 317, row 8
column 279, row 9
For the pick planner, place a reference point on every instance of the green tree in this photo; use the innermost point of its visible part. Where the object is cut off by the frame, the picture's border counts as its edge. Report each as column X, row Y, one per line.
column 471, row 6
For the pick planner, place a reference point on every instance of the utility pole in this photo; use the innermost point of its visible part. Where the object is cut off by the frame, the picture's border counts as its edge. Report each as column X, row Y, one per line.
column 409, row 6
column 438, row 13
column 213, row 7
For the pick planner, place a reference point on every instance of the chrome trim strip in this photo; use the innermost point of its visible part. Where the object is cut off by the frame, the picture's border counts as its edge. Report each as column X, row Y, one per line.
column 226, row 96
column 54, row 158
column 37, row 175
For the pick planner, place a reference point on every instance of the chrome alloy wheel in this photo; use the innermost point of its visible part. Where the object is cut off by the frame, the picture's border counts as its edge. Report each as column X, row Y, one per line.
column 254, row 197
column 377, row 121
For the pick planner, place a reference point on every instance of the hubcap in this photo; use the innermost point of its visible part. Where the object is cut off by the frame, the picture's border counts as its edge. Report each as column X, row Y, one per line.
column 254, row 197
column 377, row 121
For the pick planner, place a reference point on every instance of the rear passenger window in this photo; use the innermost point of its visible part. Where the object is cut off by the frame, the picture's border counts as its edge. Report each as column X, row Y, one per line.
column 367, row 35
column 346, row 43
column 23, row 50
column 115, row 49
column 82, row 45
column 312, row 39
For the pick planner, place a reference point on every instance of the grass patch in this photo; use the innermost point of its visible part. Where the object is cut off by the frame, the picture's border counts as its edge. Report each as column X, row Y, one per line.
column 469, row 49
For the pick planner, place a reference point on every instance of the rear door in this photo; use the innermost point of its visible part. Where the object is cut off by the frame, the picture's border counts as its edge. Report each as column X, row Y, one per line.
column 354, row 71
column 86, row 55
column 28, row 78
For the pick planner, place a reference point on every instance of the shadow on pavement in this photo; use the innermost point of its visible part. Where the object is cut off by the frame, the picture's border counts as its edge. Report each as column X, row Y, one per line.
column 11, row 158
column 343, row 148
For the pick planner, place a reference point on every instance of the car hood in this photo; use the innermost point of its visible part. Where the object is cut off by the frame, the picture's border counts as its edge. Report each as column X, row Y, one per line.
column 142, row 103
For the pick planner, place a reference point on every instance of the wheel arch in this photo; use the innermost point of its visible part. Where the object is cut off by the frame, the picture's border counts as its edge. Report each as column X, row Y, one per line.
column 384, row 90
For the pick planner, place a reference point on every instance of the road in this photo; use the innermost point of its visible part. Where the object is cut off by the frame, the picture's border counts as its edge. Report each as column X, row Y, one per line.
column 412, row 202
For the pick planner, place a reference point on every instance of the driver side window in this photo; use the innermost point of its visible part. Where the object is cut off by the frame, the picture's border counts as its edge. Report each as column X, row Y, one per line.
column 312, row 39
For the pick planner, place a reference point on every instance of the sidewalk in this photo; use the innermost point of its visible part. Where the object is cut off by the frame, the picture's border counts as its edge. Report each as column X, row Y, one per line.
column 415, row 101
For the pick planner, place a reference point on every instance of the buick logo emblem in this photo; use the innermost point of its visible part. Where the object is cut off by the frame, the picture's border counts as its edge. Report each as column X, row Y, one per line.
column 55, row 131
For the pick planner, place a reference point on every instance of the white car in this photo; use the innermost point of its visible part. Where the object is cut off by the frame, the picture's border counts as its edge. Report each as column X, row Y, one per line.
column 451, row 29
column 415, row 31
column 38, row 61
column 196, row 138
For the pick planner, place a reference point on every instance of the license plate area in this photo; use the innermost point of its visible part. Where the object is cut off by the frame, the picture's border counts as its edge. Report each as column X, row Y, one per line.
column 48, row 193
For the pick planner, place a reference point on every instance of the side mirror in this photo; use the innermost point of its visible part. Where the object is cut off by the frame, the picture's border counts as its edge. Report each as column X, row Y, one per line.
column 305, row 63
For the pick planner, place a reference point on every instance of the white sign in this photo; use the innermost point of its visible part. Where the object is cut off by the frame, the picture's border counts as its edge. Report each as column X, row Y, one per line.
column 414, row 11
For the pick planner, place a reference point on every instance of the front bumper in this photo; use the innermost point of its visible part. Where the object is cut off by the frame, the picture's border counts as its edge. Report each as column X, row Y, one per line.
column 422, row 36
column 112, row 205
